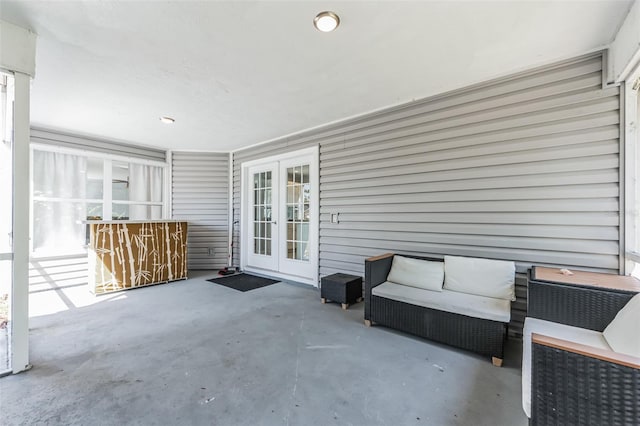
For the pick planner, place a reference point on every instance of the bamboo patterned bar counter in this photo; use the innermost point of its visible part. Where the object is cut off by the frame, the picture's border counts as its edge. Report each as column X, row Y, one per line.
column 126, row 254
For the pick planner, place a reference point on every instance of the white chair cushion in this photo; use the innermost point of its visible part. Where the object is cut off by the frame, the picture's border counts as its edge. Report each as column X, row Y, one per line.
column 622, row 333
column 449, row 301
column 418, row 273
column 483, row 277
column 559, row 331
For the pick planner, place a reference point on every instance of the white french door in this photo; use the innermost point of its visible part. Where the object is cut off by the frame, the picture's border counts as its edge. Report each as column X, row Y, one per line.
column 295, row 212
column 263, row 217
column 280, row 216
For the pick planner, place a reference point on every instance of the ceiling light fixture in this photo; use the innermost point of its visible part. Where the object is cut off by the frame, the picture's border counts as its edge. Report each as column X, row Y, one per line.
column 326, row 21
column 167, row 120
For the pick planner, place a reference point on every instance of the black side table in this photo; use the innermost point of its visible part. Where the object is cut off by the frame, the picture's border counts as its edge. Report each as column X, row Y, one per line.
column 341, row 288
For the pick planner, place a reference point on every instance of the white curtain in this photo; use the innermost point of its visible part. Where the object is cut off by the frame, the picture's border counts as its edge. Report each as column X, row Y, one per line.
column 145, row 184
column 57, row 224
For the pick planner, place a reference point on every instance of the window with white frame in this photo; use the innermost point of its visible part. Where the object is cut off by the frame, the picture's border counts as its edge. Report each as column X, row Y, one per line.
column 70, row 187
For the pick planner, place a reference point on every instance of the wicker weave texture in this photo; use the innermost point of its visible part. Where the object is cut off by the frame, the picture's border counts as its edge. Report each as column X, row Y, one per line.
column 573, row 305
column 375, row 273
column 474, row 334
column 572, row 389
column 341, row 288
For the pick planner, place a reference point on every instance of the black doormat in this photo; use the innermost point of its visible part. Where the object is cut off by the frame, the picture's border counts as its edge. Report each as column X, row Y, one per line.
column 243, row 282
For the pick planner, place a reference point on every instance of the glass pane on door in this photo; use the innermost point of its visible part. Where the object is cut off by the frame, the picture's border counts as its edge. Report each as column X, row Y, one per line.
column 262, row 209
column 298, row 198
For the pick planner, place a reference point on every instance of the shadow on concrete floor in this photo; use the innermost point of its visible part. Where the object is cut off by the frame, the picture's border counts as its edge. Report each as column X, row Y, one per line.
column 191, row 352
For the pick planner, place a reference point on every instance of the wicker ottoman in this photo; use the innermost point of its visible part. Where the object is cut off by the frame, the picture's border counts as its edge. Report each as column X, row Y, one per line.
column 341, row 288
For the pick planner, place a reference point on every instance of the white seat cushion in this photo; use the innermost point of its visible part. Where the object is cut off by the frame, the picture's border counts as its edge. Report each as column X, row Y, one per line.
column 622, row 333
column 449, row 301
column 418, row 273
column 559, row 331
column 483, row 277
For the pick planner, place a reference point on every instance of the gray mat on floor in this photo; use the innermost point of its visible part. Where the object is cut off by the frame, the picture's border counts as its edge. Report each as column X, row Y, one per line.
column 243, row 282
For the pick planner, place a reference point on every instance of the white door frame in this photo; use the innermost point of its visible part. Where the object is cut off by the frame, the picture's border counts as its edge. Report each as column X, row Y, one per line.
column 314, row 222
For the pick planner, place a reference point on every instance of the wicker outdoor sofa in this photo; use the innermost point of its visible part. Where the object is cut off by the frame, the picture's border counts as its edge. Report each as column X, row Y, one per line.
column 572, row 374
column 467, row 320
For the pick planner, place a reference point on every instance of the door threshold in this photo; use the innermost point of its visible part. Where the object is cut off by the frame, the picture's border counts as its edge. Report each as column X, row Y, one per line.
column 279, row 275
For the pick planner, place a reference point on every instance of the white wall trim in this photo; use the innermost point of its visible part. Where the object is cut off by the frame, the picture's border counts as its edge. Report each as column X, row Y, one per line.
column 624, row 186
column 56, row 136
column 629, row 142
column 244, row 169
column 278, row 157
column 96, row 154
column 195, row 151
column 231, row 219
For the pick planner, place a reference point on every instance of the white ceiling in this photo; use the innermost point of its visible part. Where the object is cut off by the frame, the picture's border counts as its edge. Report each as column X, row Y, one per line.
column 238, row 73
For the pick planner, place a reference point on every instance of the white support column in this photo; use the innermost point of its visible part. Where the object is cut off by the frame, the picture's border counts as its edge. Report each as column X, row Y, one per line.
column 21, row 207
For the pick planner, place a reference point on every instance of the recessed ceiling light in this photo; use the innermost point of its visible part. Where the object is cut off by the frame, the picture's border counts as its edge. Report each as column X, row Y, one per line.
column 326, row 21
column 167, row 120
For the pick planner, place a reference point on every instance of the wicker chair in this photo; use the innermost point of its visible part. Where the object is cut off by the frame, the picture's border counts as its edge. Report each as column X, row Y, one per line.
column 572, row 383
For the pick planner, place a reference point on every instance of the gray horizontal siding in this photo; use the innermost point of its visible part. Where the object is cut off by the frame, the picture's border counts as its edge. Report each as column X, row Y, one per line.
column 524, row 168
column 200, row 195
column 68, row 140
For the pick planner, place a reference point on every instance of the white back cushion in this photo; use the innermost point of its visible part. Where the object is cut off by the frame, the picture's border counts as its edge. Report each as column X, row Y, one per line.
column 622, row 333
column 417, row 273
column 484, row 277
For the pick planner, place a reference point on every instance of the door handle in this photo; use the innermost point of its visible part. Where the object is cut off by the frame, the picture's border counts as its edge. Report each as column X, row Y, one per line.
column 274, row 222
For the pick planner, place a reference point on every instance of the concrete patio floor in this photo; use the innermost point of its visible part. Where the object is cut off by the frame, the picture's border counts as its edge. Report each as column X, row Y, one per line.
column 195, row 353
